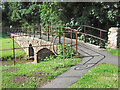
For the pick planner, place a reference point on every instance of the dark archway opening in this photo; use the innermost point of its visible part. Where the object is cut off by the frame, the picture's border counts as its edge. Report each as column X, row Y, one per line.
column 43, row 53
column 31, row 52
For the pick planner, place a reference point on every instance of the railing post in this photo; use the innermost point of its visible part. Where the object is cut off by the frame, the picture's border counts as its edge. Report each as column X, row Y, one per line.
column 63, row 48
column 23, row 31
column 11, row 30
column 26, row 30
column 17, row 31
column 14, row 51
column 59, row 34
column 76, row 42
column 52, row 30
column 100, row 38
column 84, row 34
column 40, row 31
column 30, row 31
column 20, row 31
column 34, row 32
column 71, row 44
column 48, row 32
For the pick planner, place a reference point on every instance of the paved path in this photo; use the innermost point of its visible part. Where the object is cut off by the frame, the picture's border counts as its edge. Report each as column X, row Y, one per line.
column 92, row 56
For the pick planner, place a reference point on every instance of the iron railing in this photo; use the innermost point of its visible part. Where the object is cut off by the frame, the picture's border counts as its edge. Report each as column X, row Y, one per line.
column 84, row 32
column 29, row 32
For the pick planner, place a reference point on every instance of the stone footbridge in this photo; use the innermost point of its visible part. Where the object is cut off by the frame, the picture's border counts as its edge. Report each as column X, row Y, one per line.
column 37, row 49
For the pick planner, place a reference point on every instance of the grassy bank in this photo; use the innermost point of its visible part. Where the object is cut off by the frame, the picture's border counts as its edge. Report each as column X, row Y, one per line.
column 102, row 76
column 34, row 75
column 7, row 43
column 114, row 51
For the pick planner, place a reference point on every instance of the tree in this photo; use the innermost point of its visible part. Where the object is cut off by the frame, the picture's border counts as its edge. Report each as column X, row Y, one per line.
column 19, row 13
column 50, row 13
column 98, row 14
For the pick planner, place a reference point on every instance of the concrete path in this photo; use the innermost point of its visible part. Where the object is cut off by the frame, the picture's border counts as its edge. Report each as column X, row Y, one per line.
column 92, row 56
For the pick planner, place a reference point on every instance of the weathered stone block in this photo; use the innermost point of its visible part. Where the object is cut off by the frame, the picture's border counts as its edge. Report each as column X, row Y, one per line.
column 113, row 37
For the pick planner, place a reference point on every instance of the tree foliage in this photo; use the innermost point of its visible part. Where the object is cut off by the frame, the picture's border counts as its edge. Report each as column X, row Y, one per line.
column 98, row 14
column 22, row 12
column 50, row 14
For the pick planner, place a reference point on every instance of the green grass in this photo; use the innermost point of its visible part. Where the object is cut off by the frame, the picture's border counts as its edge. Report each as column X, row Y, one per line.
column 102, row 76
column 114, row 51
column 7, row 43
column 50, row 68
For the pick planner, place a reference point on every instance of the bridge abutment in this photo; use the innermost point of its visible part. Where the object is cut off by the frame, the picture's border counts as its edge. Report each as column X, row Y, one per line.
column 113, row 37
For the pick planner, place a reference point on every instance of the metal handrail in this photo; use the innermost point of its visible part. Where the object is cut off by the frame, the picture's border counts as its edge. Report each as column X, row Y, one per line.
column 85, row 26
column 48, row 33
column 89, row 27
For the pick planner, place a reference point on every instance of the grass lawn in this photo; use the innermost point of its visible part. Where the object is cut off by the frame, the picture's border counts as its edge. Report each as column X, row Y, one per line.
column 34, row 75
column 7, row 43
column 114, row 51
column 102, row 76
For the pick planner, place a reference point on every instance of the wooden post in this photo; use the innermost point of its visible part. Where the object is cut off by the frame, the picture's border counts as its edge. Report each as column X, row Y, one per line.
column 71, row 44
column 76, row 42
column 14, row 51
column 63, row 48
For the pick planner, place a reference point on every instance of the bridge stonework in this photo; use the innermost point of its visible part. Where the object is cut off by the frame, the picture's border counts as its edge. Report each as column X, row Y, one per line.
column 113, row 37
column 37, row 44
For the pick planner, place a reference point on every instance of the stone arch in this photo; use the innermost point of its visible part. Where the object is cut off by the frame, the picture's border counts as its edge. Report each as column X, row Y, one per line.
column 31, row 52
column 43, row 53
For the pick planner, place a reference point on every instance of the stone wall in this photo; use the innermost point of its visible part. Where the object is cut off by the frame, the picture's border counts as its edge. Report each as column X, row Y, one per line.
column 113, row 37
